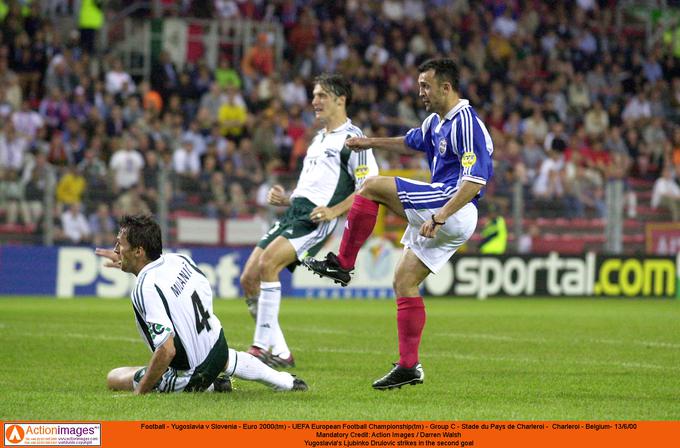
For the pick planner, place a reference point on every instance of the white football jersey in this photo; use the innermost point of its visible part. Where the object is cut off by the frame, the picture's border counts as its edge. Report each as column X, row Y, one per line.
column 173, row 296
column 330, row 171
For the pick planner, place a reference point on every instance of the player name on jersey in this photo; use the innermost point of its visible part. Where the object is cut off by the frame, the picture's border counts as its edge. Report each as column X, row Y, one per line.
column 182, row 279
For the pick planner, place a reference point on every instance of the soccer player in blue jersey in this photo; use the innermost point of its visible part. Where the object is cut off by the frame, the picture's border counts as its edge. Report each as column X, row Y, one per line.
column 441, row 215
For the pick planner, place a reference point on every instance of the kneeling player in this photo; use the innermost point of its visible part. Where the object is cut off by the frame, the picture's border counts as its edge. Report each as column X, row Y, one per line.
column 172, row 302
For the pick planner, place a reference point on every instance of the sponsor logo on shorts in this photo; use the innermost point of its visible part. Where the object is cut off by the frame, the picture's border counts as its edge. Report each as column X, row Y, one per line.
column 469, row 159
column 52, row 434
column 442, row 146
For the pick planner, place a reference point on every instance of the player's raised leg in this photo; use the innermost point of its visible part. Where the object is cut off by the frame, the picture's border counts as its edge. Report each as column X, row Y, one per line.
column 358, row 228
column 410, row 273
column 245, row 366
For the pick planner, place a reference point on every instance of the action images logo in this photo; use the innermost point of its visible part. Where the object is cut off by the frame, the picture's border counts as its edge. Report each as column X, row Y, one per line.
column 13, row 434
column 52, row 434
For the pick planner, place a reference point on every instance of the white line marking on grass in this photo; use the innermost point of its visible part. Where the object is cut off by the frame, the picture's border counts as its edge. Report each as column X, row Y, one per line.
column 620, row 365
column 320, row 331
column 83, row 336
column 657, row 344
column 509, row 359
column 122, row 395
column 574, row 341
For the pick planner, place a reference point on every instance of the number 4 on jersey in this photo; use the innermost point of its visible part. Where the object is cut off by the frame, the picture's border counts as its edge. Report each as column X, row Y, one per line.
column 200, row 313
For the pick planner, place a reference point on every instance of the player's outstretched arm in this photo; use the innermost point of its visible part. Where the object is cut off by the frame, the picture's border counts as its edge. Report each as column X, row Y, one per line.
column 388, row 143
column 114, row 258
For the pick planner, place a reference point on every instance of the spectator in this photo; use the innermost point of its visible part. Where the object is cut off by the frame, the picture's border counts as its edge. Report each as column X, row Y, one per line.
column 95, row 172
column 164, row 76
column 12, row 190
column 655, row 139
column 90, row 21
column 226, row 75
column 118, row 81
column 151, row 99
column 71, row 187
column 102, row 226
column 232, row 115
column 212, row 100
column 115, row 123
column 596, row 120
column 532, row 155
column 74, row 225
column 187, row 165
column 55, row 110
column 303, row 35
column 636, row 109
column 59, row 76
column 131, row 202
column 536, row 125
column 133, row 111
column 579, row 94
column 548, row 190
column 186, row 160
column 150, row 178
column 12, row 149
column 294, row 92
column 258, row 60
column 27, row 121
column 666, row 193
column 126, row 164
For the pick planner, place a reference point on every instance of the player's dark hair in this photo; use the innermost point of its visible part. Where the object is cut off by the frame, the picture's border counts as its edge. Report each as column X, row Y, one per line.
column 337, row 84
column 445, row 70
column 143, row 231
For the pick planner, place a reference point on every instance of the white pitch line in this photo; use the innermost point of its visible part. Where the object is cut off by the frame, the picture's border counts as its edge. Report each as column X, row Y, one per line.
column 657, row 344
column 515, row 359
column 320, row 331
column 82, row 336
column 122, row 395
column 576, row 341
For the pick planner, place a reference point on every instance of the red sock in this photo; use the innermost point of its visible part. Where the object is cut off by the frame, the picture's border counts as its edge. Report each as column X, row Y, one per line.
column 410, row 324
column 360, row 222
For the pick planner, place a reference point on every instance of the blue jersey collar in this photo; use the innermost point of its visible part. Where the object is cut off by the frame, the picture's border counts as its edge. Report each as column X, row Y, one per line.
column 457, row 108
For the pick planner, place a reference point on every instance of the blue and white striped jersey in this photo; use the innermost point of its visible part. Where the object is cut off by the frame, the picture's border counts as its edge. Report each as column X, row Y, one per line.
column 458, row 148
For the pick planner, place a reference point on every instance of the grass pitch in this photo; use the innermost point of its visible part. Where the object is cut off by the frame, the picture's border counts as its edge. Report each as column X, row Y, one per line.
column 505, row 359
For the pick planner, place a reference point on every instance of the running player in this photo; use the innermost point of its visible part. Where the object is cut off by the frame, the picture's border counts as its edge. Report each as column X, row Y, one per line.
column 325, row 190
column 172, row 302
column 441, row 215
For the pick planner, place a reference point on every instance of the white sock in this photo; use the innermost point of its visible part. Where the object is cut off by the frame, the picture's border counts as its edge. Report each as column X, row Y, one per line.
column 247, row 367
column 267, row 314
column 279, row 346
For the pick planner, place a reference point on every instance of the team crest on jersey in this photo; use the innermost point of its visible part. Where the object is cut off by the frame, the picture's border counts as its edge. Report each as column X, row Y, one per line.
column 442, row 146
column 469, row 159
column 361, row 171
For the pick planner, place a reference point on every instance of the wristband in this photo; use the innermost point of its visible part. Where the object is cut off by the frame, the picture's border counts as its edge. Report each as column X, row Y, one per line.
column 436, row 223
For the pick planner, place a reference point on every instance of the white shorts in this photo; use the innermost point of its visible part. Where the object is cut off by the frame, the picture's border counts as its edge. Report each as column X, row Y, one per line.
column 436, row 252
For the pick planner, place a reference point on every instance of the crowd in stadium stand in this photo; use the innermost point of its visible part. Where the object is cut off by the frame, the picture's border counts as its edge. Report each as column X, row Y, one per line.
column 570, row 101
